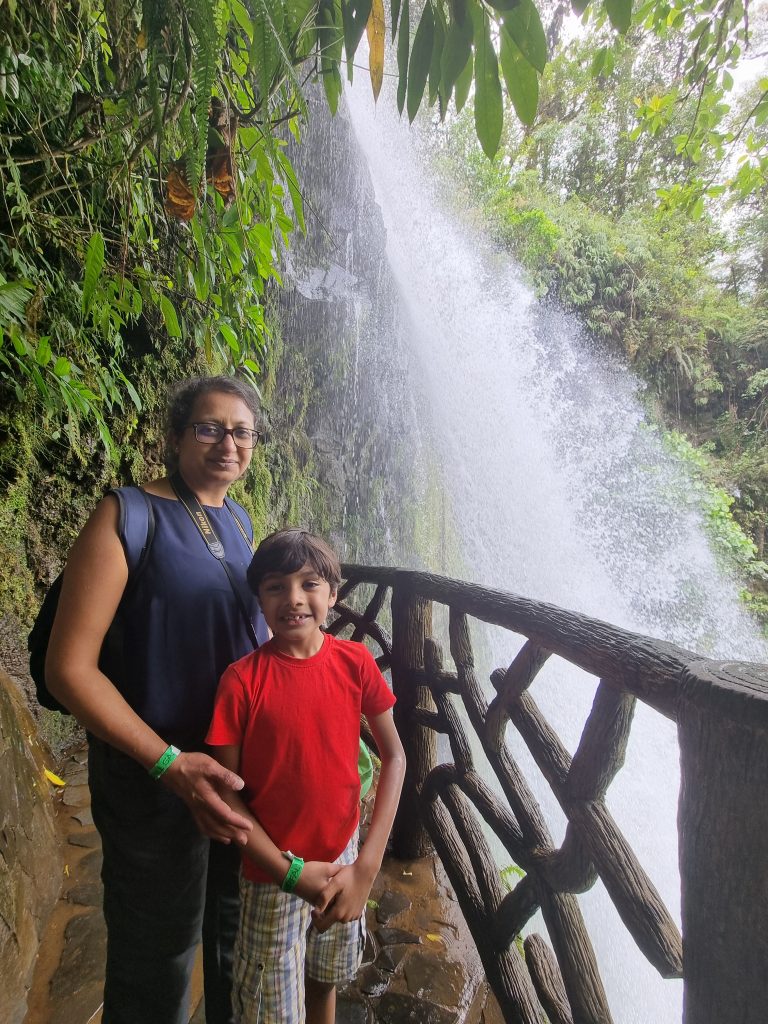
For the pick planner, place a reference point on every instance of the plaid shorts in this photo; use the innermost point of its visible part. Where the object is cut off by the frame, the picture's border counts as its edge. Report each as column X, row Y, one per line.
column 276, row 944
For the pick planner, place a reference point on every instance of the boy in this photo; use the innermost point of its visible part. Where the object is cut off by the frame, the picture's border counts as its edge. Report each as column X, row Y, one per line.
column 287, row 719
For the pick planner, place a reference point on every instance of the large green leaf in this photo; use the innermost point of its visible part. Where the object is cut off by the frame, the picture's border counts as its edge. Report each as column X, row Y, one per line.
column 435, row 77
column 456, row 52
column 464, row 84
column 395, row 6
column 521, row 79
column 331, row 39
column 421, row 58
column 403, row 49
column 488, row 105
column 524, row 26
column 620, row 13
column 170, row 318
column 94, row 263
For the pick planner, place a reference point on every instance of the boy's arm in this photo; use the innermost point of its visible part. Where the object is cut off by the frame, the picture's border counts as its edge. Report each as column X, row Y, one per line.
column 260, row 848
column 345, row 895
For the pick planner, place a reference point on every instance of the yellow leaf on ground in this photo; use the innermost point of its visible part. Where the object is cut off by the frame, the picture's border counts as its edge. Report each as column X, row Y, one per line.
column 375, row 32
column 54, row 778
column 434, row 937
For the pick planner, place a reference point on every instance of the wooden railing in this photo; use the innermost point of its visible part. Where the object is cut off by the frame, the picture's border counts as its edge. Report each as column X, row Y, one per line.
column 721, row 711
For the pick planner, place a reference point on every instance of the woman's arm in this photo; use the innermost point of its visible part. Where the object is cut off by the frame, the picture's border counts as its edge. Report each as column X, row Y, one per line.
column 94, row 581
column 345, row 896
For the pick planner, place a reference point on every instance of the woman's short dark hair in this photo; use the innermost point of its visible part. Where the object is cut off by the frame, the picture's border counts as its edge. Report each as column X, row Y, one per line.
column 182, row 400
column 288, row 551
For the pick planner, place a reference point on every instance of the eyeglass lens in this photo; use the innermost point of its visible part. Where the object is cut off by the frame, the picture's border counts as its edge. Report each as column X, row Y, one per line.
column 212, row 433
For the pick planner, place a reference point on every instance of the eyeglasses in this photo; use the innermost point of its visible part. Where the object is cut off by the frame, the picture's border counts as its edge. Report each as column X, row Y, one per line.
column 212, row 433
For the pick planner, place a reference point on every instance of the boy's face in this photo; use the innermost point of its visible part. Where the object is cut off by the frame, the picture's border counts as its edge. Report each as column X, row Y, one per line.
column 295, row 605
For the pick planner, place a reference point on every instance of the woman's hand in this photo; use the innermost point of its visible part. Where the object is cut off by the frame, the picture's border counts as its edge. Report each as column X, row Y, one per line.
column 202, row 782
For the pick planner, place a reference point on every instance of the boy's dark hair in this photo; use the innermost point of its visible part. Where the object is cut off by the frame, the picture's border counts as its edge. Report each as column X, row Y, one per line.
column 288, row 551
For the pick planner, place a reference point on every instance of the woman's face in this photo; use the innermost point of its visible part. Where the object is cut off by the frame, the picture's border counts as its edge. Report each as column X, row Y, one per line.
column 209, row 469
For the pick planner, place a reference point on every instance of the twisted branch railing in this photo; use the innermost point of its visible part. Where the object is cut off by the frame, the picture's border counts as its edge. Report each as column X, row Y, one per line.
column 722, row 715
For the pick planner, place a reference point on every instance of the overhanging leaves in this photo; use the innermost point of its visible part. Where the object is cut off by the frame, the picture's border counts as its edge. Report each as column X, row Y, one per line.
column 521, row 79
column 524, row 26
column 620, row 13
column 403, row 44
column 420, row 60
column 94, row 264
column 488, row 106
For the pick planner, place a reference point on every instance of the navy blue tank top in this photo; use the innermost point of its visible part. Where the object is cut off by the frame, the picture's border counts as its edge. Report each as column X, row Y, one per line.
column 180, row 625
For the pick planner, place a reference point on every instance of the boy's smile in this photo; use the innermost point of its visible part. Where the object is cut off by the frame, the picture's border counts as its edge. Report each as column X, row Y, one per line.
column 295, row 606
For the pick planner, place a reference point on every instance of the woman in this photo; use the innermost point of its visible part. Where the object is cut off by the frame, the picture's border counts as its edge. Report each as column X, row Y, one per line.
column 145, row 698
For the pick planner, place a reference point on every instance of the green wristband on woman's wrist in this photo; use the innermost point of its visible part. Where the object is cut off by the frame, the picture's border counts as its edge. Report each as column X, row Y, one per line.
column 294, row 871
column 164, row 762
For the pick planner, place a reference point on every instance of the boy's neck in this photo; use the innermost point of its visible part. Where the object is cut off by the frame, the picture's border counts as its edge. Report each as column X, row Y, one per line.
column 300, row 647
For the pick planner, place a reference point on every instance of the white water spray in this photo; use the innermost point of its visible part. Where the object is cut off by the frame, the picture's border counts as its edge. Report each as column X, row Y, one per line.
column 558, row 490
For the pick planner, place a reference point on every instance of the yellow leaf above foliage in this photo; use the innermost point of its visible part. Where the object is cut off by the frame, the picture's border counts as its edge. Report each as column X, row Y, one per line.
column 54, row 778
column 375, row 32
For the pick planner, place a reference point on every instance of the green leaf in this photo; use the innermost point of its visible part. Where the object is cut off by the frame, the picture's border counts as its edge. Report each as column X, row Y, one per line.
column 620, row 13
column 403, row 44
column 331, row 40
column 170, row 318
column 14, row 296
column 521, row 79
column 421, row 58
column 464, row 84
column 293, row 189
column 354, row 15
column 524, row 26
column 43, row 352
column 488, row 105
column 395, row 15
column 94, row 264
column 456, row 52
column 602, row 62
column 229, row 335
column 435, row 75
column 62, row 367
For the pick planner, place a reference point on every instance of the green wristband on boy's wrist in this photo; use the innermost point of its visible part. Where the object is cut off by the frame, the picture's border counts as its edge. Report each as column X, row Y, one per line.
column 294, row 871
column 164, row 762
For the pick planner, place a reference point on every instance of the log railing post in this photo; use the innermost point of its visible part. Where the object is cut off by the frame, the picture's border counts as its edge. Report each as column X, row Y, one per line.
column 411, row 624
column 723, row 826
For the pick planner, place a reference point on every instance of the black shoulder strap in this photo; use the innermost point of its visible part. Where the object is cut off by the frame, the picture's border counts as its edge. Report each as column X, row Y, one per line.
column 136, row 529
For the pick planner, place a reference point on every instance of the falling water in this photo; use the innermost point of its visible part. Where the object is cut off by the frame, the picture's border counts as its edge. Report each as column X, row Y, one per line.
column 557, row 488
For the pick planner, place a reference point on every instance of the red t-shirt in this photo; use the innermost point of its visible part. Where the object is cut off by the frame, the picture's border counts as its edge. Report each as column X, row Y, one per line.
column 297, row 722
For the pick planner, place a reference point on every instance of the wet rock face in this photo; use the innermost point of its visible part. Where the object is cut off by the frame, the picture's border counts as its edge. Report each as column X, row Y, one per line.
column 30, row 864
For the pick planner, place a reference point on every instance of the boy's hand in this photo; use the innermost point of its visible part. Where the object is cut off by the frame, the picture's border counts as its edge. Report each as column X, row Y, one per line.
column 344, row 897
column 200, row 780
column 314, row 877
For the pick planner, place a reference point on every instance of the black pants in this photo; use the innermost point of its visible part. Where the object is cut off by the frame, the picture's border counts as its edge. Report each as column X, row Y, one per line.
column 165, row 887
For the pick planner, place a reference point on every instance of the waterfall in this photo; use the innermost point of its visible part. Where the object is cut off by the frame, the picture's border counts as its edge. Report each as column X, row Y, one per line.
column 551, row 484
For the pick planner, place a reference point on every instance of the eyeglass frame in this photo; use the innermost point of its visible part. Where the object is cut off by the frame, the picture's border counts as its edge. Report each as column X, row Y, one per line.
column 255, row 434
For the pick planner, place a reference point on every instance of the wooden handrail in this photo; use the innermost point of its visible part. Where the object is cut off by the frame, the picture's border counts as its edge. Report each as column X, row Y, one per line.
column 721, row 710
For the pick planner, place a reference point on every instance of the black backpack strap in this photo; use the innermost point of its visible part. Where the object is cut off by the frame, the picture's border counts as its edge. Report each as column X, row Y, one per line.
column 135, row 527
